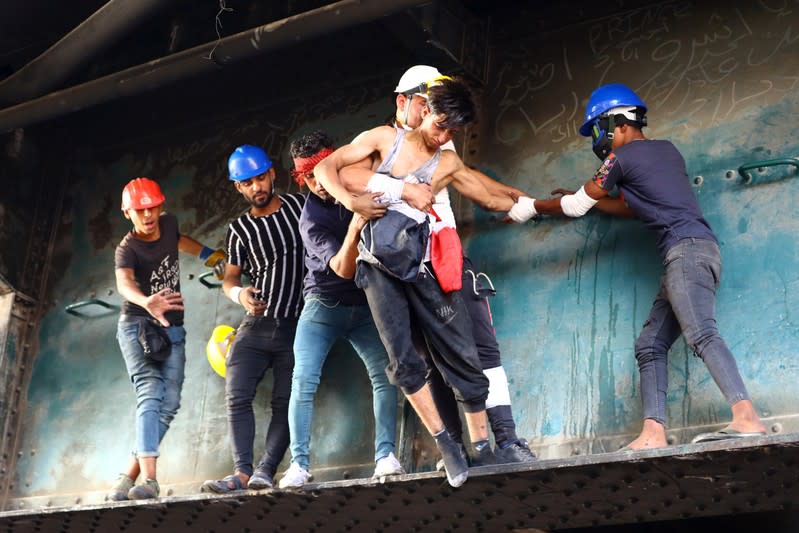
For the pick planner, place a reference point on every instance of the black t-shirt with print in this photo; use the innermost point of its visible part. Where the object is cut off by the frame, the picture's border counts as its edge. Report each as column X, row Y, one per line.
column 154, row 263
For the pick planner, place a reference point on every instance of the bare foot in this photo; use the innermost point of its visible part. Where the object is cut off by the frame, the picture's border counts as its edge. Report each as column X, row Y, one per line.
column 745, row 419
column 653, row 435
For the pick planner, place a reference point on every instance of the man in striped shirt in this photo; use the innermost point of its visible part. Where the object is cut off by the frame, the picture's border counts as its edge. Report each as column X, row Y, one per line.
column 264, row 244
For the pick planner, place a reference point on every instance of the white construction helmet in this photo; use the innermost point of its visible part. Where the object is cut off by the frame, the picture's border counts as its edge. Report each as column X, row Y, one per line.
column 415, row 76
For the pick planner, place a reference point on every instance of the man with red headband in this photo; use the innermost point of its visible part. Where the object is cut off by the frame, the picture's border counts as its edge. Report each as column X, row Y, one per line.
column 335, row 309
column 150, row 328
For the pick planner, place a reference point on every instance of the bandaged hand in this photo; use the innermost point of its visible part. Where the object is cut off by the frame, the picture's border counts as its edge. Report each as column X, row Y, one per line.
column 523, row 210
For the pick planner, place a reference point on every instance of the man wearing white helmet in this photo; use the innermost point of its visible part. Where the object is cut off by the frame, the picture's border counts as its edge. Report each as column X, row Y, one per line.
column 403, row 290
column 410, row 100
column 653, row 181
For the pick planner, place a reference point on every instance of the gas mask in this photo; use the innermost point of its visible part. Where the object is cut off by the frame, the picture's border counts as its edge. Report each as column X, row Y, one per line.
column 602, row 136
column 603, row 128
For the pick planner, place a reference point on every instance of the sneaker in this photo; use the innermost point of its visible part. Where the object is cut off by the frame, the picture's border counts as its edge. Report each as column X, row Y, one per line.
column 119, row 492
column 388, row 466
column 517, row 452
column 482, row 454
column 296, row 476
column 440, row 462
column 455, row 464
column 260, row 480
column 146, row 491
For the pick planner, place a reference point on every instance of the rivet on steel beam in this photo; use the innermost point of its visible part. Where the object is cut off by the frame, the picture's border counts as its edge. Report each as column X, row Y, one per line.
column 776, row 428
column 671, row 440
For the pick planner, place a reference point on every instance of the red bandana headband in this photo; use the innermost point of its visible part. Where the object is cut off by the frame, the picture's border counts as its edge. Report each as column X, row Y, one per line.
column 305, row 165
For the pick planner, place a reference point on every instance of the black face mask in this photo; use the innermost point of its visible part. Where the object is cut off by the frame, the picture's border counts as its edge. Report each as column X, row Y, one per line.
column 602, row 132
column 602, row 136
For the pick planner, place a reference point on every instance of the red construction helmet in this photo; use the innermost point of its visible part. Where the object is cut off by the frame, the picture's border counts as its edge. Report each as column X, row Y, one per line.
column 141, row 193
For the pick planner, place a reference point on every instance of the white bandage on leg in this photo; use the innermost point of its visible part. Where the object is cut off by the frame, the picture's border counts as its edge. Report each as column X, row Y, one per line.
column 498, row 392
column 577, row 204
column 390, row 187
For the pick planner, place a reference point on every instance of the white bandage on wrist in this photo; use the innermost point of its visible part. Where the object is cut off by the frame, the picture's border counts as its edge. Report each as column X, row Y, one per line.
column 390, row 187
column 523, row 210
column 234, row 294
column 577, row 204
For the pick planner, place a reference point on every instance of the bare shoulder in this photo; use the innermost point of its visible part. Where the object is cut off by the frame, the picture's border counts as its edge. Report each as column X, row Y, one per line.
column 380, row 132
column 450, row 161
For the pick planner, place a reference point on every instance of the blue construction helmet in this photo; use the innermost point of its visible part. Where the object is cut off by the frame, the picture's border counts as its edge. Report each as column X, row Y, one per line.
column 609, row 97
column 246, row 162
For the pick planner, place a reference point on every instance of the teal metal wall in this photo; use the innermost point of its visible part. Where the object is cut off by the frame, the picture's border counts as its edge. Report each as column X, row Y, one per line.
column 720, row 82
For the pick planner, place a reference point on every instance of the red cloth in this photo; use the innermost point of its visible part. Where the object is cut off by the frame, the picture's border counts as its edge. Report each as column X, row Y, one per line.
column 446, row 254
column 305, row 165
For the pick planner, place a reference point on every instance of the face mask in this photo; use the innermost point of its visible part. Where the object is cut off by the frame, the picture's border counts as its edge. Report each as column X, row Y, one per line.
column 602, row 136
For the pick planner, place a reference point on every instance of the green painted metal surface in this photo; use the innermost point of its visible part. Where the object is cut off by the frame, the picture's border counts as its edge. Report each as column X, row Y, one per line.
column 721, row 83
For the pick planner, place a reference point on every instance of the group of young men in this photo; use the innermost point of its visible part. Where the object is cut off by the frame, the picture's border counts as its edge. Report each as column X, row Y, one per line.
column 351, row 260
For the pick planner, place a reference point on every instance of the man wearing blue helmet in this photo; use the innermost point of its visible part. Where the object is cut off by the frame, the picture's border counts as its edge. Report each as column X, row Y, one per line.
column 653, row 181
column 265, row 244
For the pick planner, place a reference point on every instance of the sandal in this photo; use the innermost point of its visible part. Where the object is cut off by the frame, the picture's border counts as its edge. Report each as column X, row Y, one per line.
column 222, row 486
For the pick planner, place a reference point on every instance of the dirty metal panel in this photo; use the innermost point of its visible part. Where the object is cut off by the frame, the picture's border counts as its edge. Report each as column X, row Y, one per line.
column 689, row 481
column 573, row 293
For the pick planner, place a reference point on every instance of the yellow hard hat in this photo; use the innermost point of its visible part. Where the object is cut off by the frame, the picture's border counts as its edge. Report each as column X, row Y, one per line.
column 217, row 348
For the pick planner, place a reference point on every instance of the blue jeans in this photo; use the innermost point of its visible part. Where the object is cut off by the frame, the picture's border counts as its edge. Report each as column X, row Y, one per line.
column 157, row 385
column 685, row 303
column 322, row 323
column 261, row 343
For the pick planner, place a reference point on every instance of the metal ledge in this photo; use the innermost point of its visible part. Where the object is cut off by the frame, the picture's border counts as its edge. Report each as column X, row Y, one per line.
column 679, row 482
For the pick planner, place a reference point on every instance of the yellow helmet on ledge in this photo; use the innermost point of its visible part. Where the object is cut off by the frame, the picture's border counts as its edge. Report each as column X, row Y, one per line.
column 218, row 346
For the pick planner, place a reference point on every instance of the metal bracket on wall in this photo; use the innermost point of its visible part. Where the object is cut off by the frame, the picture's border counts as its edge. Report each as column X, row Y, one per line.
column 210, row 284
column 744, row 169
column 72, row 309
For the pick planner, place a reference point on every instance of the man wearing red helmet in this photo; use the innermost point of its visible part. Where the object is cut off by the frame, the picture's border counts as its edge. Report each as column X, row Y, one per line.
column 653, row 181
column 150, row 329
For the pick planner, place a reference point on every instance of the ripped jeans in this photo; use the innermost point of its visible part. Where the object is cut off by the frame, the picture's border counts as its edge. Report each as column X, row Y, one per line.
column 158, row 385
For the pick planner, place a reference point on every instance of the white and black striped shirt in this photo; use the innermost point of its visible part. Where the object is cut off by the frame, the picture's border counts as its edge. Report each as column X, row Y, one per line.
column 269, row 251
